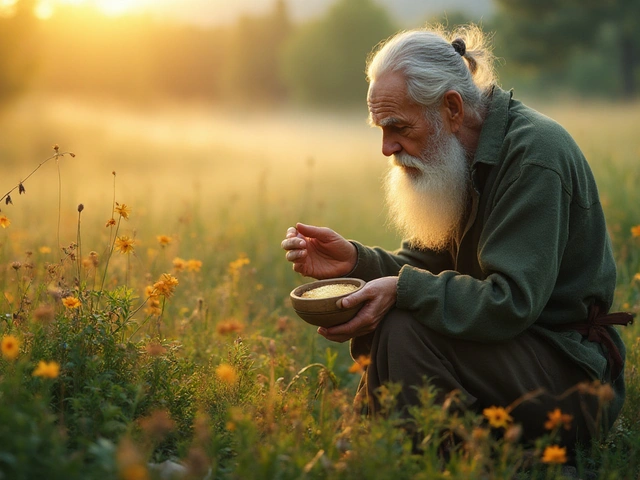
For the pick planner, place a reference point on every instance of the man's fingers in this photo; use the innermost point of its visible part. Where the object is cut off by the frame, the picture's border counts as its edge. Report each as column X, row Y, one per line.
column 321, row 233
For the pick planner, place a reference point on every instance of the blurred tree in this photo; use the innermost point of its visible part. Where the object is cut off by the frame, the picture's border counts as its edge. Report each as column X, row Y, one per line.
column 18, row 49
column 325, row 60
column 252, row 71
column 547, row 33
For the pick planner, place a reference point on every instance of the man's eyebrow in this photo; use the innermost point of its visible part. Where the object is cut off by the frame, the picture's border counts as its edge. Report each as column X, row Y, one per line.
column 385, row 122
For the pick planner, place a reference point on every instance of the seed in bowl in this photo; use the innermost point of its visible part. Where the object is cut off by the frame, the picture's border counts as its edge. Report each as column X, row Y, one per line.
column 326, row 291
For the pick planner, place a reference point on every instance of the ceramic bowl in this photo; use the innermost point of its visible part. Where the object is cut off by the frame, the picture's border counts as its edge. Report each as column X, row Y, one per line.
column 323, row 312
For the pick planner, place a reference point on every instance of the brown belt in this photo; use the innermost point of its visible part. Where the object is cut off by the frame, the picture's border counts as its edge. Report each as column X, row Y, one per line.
column 595, row 331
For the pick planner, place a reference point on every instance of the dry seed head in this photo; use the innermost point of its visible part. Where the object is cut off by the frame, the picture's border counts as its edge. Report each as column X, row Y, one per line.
column 21, row 189
column 8, row 200
column 80, row 207
column 16, row 265
column 56, row 147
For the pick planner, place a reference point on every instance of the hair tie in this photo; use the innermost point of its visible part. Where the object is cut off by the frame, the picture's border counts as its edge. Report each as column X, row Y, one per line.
column 459, row 46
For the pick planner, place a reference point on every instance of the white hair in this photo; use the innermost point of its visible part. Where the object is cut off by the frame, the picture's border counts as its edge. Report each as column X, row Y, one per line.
column 432, row 66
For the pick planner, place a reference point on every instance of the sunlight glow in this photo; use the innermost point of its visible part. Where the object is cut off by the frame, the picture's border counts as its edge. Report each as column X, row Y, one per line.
column 43, row 10
column 117, row 7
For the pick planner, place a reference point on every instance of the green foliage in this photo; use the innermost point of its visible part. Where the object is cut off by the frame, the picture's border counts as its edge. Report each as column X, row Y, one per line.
column 325, row 60
column 555, row 36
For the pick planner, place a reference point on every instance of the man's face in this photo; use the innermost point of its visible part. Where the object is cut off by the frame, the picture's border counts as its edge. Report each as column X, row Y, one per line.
column 402, row 121
column 427, row 185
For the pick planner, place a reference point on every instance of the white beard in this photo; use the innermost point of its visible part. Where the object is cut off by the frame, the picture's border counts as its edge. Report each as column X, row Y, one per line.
column 427, row 203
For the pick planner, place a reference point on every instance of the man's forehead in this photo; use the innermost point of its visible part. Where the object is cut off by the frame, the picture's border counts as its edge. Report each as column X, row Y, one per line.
column 387, row 100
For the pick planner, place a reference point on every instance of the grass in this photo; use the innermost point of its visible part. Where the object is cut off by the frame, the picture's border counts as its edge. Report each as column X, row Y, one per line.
column 216, row 373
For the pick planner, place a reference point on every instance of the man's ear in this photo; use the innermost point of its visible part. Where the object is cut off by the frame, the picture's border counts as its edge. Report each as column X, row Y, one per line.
column 453, row 110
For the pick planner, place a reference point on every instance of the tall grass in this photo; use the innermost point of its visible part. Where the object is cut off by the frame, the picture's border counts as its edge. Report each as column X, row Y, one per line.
column 216, row 373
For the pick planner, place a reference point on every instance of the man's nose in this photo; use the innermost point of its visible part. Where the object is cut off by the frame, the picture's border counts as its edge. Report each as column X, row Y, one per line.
column 390, row 146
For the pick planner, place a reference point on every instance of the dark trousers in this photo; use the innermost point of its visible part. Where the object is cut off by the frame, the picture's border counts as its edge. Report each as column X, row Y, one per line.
column 405, row 351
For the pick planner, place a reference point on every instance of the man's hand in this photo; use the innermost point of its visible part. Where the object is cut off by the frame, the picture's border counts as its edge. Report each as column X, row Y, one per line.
column 379, row 295
column 319, row 252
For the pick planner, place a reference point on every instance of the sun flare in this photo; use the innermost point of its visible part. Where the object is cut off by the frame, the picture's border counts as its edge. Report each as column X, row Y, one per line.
column 45, row 9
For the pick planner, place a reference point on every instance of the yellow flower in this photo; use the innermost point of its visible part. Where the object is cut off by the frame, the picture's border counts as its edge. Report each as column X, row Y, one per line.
column 124, row 244
column 166, row 285
column 10, row 347
column 111, row 222
column 554, row 454
column 498, row 417
column 4, row 221
column 236, row 265
column 635, row 231
column 44, row 250
column 164, row 240
column 179, row 264
column 71, row 302
column 636, row 277
column 47, row 369
column 226, row 373
column 123, row 210
column 194, row 265
column 558, row 419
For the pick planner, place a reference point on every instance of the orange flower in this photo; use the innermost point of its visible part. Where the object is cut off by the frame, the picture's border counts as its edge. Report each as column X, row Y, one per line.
column 558, row 419
column 123, row 210
column 498, row 417
column 229, row 326
column 166, row 285
column 361, row 362
column 71, row 302
column 4, row 221
column 554, row 454
column 179, row 264
column 226, row 373
column 163, row 240
column 47, row 369
column 635, row 231
column 194, row 265
column 111, row 222
column 10, row 347
column 124, row 244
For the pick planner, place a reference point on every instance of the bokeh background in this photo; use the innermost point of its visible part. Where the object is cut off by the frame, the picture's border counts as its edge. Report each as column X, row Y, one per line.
column 256, row 109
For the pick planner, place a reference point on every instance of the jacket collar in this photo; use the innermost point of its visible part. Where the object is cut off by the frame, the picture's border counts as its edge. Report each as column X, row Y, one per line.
column 494, row 128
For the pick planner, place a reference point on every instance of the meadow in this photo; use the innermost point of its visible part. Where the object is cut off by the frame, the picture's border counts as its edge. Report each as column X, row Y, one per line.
column 145, row 313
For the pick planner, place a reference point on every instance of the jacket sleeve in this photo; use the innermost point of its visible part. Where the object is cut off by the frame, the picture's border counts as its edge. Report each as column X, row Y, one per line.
column 375, row 262
column 520, row 251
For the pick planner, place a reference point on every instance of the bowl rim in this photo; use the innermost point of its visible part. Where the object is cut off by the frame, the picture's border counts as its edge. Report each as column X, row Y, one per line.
column 296, row 292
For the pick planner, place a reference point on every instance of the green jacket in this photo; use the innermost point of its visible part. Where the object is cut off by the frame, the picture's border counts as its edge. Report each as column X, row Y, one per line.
column 535, row 251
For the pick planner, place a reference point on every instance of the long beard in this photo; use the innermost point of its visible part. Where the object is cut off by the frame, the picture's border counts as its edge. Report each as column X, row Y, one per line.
column 427, row 201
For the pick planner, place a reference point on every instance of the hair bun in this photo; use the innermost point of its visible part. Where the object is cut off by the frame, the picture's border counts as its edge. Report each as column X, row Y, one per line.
column 459, row 46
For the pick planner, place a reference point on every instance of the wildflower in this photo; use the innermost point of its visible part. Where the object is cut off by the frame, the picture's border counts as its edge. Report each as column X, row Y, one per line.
column 111, row 222
column 226, row 373
column 158, row 424
column 16, row 265
column 155, row 349
column 554, row 454
column 166, row 285
column 513, row 433
column 361, row 362
column 635, row 231
column 10, row 347
column 229, row 326
column 558, row 419
column 164, row 240
column 44, row 313
column 4, row 221
column 498, row 417
column 123, row 210
column 480, row 434
column 47, row 369
column 179, row 264
column 194, row 265
column 282, row 323
column 131, row 464
column 44, row 250
column 71, row 302
column 636, row 277
column 236, row 265
column 9, row 296
column 124, row 244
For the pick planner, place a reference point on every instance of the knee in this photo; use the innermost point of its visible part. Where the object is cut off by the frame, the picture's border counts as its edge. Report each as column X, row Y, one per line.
column 396, row 325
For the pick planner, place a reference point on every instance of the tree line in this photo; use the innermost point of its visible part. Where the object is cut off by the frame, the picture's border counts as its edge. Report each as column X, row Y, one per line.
column 585, row 46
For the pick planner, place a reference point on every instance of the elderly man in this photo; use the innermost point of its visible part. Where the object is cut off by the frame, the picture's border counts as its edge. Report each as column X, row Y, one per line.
column 504, row 281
